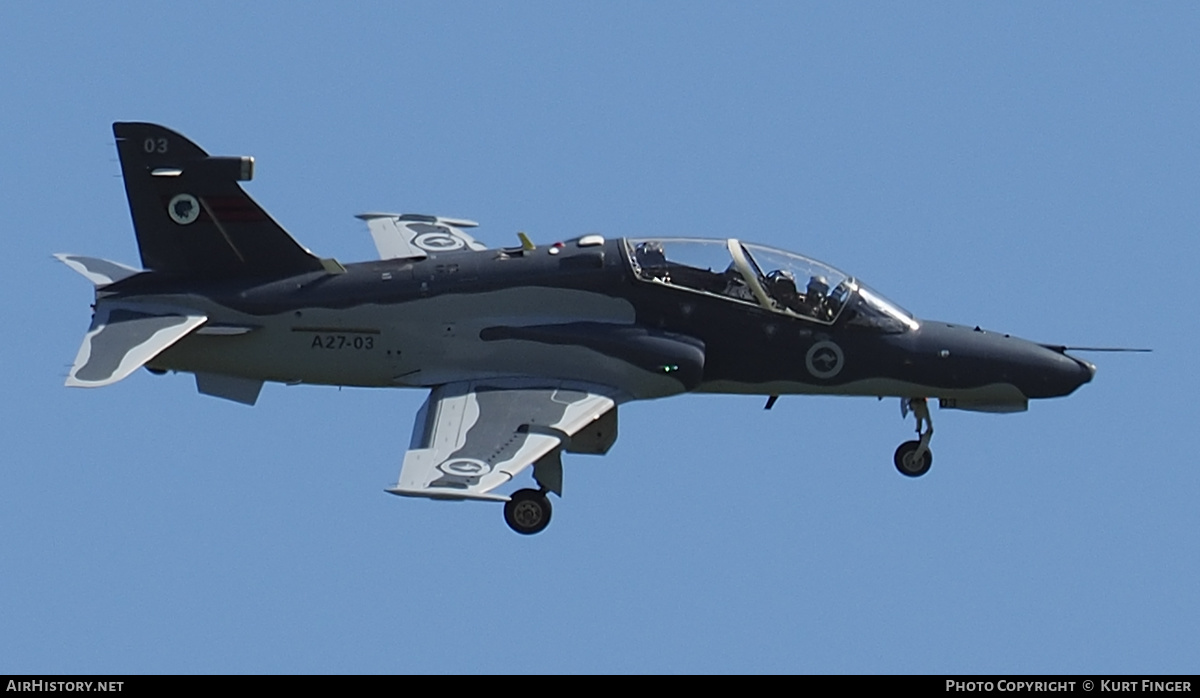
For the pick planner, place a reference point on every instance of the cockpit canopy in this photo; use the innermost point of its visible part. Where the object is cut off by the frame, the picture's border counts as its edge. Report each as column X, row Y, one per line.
column 780, row 281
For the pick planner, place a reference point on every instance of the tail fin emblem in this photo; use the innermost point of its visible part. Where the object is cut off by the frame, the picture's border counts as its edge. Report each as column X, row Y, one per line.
column 183, row 209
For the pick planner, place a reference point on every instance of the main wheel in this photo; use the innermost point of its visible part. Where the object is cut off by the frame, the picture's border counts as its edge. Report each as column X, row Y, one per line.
column 906, row 459
column 528, row 512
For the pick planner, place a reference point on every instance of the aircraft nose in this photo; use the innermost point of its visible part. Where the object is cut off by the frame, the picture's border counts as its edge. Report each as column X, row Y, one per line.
column 977, row 357
column 1056, row 374
column 1086, row 371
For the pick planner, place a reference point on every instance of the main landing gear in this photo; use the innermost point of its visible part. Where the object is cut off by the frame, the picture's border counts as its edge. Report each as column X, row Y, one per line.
column 528, row 512
column 914, row 458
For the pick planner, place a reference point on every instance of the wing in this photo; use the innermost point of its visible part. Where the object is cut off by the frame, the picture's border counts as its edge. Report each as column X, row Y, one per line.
column 123, row 337
column 472, row 437
column 413, row 236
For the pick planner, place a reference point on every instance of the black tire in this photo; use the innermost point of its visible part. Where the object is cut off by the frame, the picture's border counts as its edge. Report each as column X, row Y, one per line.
column 528, row 512
column 905, row 463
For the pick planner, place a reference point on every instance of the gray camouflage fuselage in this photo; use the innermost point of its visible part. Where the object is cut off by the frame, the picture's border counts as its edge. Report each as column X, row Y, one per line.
column 579, row 314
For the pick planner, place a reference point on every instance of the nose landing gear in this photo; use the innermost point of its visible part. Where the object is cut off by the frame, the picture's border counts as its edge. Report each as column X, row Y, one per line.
column 913, row 458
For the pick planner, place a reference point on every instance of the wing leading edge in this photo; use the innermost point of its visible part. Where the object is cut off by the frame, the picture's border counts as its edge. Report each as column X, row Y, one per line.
column 472, row 437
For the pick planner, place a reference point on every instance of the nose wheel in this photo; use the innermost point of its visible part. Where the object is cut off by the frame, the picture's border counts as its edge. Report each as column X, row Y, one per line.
column 909, row 463
column 913, row 458
column 527, row 512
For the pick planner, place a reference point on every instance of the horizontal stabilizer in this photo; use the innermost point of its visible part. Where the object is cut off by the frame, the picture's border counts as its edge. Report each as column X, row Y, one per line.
column 101, row 272
column 414, row 236
column 124, row 336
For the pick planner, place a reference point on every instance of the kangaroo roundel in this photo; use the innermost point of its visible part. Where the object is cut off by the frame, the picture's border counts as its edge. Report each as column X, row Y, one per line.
column 824, row 359
column 439, row 242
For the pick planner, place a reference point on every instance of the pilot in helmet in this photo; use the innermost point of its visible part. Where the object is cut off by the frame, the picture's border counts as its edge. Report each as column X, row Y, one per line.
column 651, row 259
column 814, row 295
column 817, row 285
column 781, row 285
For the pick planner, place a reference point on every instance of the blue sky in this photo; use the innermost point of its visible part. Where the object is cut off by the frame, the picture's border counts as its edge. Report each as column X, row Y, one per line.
column 1028, row 167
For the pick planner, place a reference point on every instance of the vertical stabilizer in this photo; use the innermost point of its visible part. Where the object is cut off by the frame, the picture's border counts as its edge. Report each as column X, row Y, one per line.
column 192, row 218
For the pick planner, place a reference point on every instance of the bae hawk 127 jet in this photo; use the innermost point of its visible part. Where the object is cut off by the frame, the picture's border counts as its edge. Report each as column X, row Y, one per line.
column 526, row 351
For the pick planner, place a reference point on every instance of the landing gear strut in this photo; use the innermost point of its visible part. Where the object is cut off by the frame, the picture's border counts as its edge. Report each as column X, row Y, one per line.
column 528, row 512
column 914, row 458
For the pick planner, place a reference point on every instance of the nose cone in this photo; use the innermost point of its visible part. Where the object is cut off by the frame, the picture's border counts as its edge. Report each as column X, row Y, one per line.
column 974, row 357
column 1055, row 374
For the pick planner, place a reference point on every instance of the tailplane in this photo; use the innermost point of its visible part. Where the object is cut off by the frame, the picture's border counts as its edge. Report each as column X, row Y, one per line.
column 192, row 218
column 101, row 272
column 124, row 336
